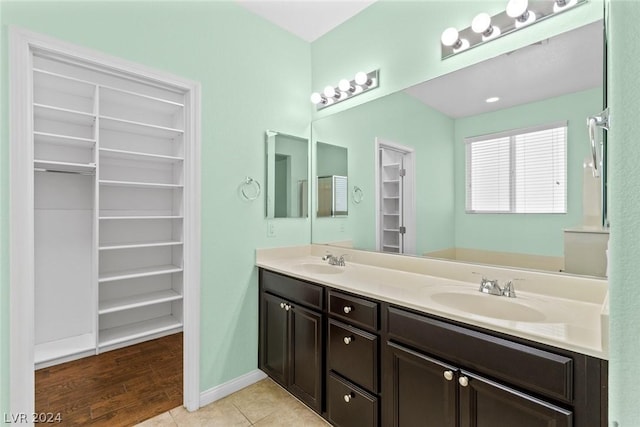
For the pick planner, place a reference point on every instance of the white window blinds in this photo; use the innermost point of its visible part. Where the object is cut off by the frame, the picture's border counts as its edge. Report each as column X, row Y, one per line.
column 518, row 171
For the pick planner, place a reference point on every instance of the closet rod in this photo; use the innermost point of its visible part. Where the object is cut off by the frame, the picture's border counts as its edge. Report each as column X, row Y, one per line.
column 58, row 171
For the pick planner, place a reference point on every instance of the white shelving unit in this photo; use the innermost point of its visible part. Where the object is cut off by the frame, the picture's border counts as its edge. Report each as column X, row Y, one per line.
column 109, row 183
column 391, row 203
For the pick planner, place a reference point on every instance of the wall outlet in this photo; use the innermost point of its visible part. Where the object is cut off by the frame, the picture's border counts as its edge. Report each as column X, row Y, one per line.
column 271, row 229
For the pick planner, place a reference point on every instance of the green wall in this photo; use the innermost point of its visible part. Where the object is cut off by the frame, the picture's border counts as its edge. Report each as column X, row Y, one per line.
column 401, row 119
column 539, row 234
column 254, row 77
column 624, row 179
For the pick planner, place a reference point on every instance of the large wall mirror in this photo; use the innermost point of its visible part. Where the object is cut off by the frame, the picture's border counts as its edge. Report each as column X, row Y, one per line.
column 287, row 186
column 557, row 80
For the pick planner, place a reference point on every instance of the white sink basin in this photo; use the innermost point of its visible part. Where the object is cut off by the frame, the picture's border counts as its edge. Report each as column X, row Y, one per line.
column 491, row 306
column 311, row 268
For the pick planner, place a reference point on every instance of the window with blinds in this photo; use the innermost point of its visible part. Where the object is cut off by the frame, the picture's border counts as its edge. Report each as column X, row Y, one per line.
column 518, row 171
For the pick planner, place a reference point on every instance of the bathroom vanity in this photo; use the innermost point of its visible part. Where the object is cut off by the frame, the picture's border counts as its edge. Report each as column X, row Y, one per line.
column 342, row 341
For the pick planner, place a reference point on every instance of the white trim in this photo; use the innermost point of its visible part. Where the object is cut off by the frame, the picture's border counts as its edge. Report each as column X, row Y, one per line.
column 409, row 193
column 225, row 389
column 21, row 340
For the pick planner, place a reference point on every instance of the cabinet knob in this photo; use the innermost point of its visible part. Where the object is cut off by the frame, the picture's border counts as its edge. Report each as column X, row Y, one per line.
column 348, row 397
column 347, row 309
column 448, row 375
column 282, row 305
column 287, row 307
column 464, row 381
column 347, row 340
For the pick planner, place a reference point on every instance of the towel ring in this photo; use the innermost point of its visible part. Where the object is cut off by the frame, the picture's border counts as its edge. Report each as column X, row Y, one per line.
column 250, row 189
column 357, row 194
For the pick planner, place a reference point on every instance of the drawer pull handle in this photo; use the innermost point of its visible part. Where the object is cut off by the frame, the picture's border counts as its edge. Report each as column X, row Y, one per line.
column 448, row 375
column 464, row 381
column 348, row 397
column 347, row 309
column 347, row 340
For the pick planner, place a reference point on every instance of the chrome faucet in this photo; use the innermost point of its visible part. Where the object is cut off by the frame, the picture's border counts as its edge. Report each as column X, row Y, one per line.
column 492, row 287
column 334, row 260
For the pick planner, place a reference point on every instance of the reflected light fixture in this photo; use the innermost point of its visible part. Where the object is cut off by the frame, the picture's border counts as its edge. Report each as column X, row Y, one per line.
column 481, row 24
column 362, row 82
column 492, row 99
column 560, row 5
column 516, row 15
column 451, row 38
column 519, row 10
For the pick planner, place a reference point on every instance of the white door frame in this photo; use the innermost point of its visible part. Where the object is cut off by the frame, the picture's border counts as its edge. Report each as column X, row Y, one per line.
column 21, row 219
column 409, row 198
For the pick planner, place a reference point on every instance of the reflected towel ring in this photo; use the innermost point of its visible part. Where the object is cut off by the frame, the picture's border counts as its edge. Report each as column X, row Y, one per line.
column 357, row 194
column 250, row 189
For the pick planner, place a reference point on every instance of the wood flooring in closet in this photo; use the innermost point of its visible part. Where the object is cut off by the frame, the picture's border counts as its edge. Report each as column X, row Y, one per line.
column 117, row 388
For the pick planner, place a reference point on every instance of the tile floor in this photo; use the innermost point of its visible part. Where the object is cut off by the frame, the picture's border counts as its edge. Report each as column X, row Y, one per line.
column 264, row 403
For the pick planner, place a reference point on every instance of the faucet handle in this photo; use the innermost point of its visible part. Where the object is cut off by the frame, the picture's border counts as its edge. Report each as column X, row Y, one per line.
column 326, row 256
column 509, row 289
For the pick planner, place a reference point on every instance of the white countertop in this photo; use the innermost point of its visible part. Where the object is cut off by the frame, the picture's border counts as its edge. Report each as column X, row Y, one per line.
column 559, row 310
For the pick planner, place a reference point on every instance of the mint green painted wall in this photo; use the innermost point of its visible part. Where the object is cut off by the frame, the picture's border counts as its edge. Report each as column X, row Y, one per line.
column 539, row 234
column 624, row 179
column 402, row 39
column 404, row 120
column 254, row 77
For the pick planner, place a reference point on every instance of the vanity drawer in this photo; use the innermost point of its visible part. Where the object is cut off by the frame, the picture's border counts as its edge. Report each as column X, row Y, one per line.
column 292, row 289
column 353, row 353
column 531, row 368
column 349, row 405
column 359, row 311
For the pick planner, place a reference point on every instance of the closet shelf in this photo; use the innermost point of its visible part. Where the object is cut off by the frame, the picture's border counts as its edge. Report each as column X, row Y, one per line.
column 139, row 184
column 391, row 197
column 145, row 217
column 135, row 301
column 390, row 213
column 64, row 166
column 65, row 347
column 134, row 245
column 52, row 138
column 48, row 112
column 392, row 165
column 139, row 272
column 391, row 246
column 108, row 337
column 66, row 84
column 145, row 129
column 110, row 95
column 135, row 155
column 391, row 230
column 391, row 181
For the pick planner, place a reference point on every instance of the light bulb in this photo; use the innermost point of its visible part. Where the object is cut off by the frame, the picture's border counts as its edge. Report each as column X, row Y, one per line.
column 362, row 78
column 517, row 8
column 492, row 99
column 481, row 23
column 316, row 98
column 330, row 92
column 346, row 86
column 449, row 37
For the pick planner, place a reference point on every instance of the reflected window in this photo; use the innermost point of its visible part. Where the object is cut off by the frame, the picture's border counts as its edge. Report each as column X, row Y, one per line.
column 518, row 171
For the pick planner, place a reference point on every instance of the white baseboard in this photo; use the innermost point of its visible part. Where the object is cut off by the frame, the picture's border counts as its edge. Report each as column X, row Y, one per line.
column 223, row 390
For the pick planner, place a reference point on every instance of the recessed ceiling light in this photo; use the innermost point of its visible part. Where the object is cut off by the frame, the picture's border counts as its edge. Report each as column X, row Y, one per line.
column 492, row 99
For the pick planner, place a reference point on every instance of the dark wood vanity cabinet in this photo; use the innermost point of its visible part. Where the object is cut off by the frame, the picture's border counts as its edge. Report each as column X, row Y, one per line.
column 437, row 373
column 291, row 335
column 353, row 347
column 361, row 362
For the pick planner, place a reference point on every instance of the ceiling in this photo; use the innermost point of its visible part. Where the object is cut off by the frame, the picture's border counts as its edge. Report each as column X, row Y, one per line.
column 553, row 67
column 307, row 19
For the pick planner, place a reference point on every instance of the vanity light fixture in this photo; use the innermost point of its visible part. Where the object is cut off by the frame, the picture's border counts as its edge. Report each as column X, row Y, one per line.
column 362, row 82
column 517, row 15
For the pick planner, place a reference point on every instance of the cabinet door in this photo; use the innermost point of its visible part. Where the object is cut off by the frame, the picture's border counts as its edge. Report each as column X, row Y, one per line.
column 305, row 372
column 484, row 403
column 418, row 393
column 273, row 338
